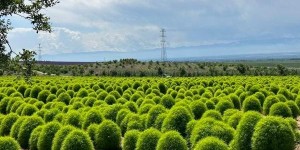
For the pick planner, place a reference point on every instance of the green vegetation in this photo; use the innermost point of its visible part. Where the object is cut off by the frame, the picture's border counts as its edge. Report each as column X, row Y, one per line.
column 235, row 113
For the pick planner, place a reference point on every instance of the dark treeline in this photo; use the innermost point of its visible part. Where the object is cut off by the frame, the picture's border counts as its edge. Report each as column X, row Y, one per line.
column 133, row 67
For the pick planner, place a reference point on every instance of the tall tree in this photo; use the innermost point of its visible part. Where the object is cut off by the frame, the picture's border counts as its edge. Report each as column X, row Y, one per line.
column 30, row 10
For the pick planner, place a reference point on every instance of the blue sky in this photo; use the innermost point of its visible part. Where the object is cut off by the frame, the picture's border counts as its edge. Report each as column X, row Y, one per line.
column 194, row 28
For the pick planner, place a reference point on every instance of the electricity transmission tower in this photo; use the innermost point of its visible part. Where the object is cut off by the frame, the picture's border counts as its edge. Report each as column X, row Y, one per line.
column 163, row 45
column 40, row 53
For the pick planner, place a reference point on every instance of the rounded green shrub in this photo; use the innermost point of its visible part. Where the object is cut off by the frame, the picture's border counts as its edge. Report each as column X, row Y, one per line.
column 189, row 128
column 35, row 91
column 92, row 131
column 280, row 109
column 198, row 108
column 28, row 125
column 82, row 93
column 7, row 123
column 132, row 106
column 92, row 116
column 90, row 101
column 60, row 136
column 167, row 101
column 223, row 105
column 77, row 139
column 121, row 115
column 47, row 134
column 244, row 131
column 34, row 136
column 111, row 112
column 110, row 99
column 3, row 104
column 294, row 108
column 27, row 92
column 43, row 95
column 73, row 118
column 177, row 119
column 144, row 109
column 50, row 114
column 21, row 89
column 251, row 103
column 235, row 100
column 76, row 87
column 64, row 97
column 211, row 143
column 269, row 101
column 153, row 113
column 159, row 121
column 148, row 139
column 211, row 127
column 171, row 140
column 234, row 120
column 212, row 114
column 273, row 133
column 210, row 104
column 108, row 136
column 28, row 110
column 50, row 98
column 14, row 132
column 8, row 143
column 130, row 139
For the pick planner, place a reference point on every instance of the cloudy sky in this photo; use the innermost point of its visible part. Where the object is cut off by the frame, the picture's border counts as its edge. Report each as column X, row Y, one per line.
column 194, row 28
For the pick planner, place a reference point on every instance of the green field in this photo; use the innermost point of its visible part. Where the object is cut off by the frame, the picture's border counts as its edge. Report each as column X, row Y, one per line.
column 202, row 113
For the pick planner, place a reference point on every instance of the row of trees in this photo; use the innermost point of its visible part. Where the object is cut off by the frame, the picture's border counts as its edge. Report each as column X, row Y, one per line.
column 183, row 69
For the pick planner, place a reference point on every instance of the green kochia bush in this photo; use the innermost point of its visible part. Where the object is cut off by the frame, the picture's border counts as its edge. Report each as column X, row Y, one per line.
column 64, row 97
column 153, row 113
column 7, row 123
column 223, row 105
column 43, row 95
column 159, row 121
column 8, row 143
column 211, row 127
column 273, row 133
column 77, row 140
column 35, row 91
column 244, row 131
column 171, row 140
column 92, row 116
column 34, row 136
column 177, row 119
column 47, row 135
column 28, row 125
column 212, row 114
column 73, row 118
column 167, row 101
column 148, row 139
column 294, row 108
column 28, row 110
column 270, row 100
column 211, row 143
column 130, row 139
column 60, row 136
column 82, row 93
column 280, row 109
column 251, row 103
column 110, row 99
column 92, row 131
column 16, row 127
column 108, row 136
column 198, row 108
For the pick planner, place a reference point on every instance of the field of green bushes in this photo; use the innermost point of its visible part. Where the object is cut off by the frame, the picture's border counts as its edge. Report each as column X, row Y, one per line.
column 204, row 113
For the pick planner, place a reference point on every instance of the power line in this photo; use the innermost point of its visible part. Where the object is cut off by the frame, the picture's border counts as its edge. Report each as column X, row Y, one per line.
column 163, row 45
column 40, row 53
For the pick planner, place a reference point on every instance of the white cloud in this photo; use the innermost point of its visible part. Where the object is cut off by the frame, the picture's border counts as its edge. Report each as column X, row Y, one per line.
column 133, row 25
